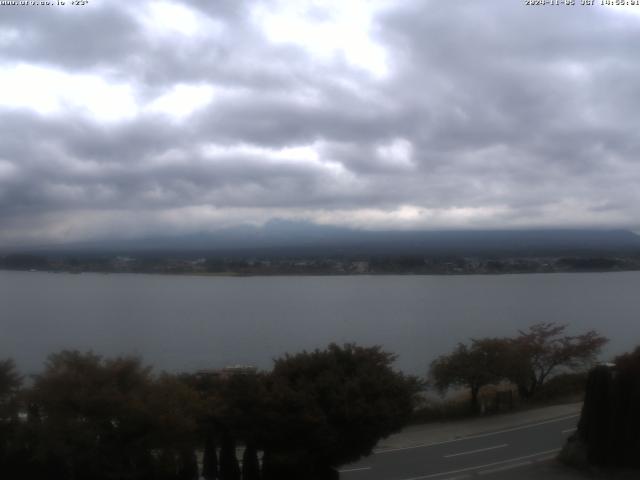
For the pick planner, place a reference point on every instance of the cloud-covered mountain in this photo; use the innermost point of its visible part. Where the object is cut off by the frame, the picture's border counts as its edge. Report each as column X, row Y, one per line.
column 290, row 239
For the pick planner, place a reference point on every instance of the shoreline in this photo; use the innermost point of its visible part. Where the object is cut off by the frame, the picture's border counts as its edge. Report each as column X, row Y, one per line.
column 312, row 274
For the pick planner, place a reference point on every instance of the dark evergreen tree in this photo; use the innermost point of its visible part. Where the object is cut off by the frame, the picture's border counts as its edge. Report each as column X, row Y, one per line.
column 167, row 466
column 595, row 421
column 210, row 458
column 266, row 470
column 609, row 427
column 250, row 463
column 188, row 465
column 279, row 466
column 229, row 468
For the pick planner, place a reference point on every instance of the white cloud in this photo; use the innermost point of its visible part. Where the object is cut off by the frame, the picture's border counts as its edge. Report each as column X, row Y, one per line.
column 398, row 153
column 326, row 29
column 182, row 100
column 411, row 217
column 170, row 18
column 431, row 114
column 48, row 92
column 304, row 153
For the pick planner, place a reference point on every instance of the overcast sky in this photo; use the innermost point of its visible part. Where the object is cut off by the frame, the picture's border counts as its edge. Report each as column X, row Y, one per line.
column 125, row 118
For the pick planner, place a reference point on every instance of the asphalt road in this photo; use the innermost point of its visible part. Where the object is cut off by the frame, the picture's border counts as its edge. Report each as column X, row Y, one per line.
column 493, row 455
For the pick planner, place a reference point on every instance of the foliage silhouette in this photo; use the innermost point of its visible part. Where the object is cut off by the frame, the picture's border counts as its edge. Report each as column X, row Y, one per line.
column 336, row 403
column 544, row 349
column 483, row 362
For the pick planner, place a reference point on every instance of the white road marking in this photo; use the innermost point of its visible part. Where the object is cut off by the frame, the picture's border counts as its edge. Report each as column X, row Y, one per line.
column 476, row 451
column 505, row 468
column 481, row 435
column 354, row 469
column 569, row 430
column 480, row 467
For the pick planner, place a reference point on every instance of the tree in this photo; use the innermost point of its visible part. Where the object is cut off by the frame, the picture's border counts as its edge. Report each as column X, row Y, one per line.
column 93, row 417
column 250, row 463
column 10, row 380
column 527, row 360
column 10, row 383
column 229, row 468
column 543, row 350
column 210, row 458
column 608, row 430
column 207, row 388
column 234, row 411
column 483, row 362
column 188, row 469
column 174, row 410
column 110, row 418
column 329, row 407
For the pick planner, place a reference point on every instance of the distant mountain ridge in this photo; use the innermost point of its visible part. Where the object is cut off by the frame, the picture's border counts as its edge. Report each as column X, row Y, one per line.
column 292, row 238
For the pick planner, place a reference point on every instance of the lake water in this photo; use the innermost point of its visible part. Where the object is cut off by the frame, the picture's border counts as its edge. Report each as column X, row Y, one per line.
column 186, row 323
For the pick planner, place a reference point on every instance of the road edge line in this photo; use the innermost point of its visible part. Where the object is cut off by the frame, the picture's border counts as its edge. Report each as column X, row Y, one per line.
column 480, row 435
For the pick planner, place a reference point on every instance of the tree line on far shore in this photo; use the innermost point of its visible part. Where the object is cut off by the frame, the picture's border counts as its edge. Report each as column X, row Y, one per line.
column 86, row 417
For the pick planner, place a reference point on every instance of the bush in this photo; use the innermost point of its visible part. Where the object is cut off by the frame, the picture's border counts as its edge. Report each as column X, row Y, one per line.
column 563, row 387
column 331, row 407
column 441, row 411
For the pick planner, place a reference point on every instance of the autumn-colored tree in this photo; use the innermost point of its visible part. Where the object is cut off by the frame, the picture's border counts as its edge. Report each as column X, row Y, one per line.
column 110, row 418
column 92, row 413
column 527, row 360
column 482, row 362
column 544, row 349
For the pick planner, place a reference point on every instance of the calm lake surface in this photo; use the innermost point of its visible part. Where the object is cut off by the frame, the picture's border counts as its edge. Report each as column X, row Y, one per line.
column 186, row 323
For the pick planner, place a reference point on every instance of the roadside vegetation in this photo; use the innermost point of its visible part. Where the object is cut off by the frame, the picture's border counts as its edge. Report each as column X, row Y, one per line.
column 89, row 417
column 539, row 365
column 93, row 418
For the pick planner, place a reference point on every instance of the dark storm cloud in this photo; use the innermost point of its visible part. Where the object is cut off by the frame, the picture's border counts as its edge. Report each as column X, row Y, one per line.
column 490, row 114
column 547, row 92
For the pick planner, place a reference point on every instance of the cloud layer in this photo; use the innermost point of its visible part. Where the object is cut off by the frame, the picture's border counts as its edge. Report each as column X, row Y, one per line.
column 124, row 119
